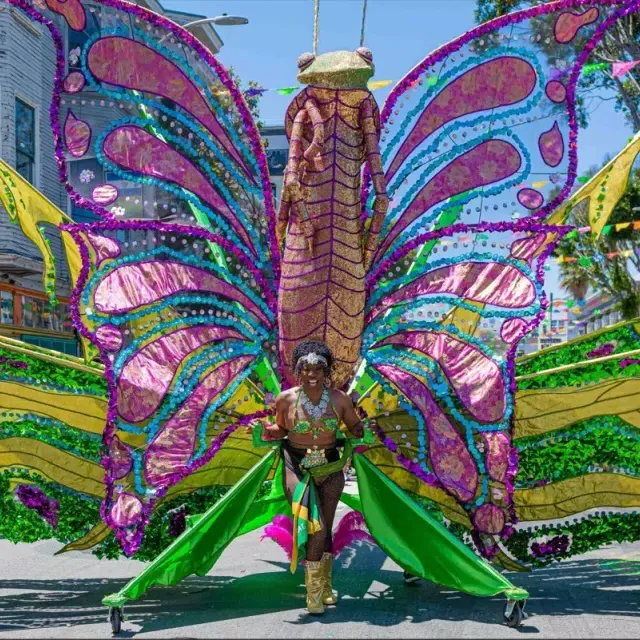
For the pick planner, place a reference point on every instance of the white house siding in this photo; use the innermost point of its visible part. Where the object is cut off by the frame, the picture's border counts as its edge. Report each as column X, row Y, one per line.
column 27, row 68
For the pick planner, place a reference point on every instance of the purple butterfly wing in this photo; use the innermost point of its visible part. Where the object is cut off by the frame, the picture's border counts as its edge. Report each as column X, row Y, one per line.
column 478, row 147
column 178, row 285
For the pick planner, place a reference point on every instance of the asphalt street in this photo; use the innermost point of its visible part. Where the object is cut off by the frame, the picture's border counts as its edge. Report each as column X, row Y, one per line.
column 251, row 594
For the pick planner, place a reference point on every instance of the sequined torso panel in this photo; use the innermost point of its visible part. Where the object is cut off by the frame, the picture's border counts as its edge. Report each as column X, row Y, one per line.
column 322, row 294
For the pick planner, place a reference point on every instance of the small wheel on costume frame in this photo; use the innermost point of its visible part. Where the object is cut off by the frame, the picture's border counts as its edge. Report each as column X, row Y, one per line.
column 115, row 618
column 514, row 613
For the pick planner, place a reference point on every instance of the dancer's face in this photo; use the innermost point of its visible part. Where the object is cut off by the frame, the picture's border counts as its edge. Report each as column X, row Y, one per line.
column 312, row 376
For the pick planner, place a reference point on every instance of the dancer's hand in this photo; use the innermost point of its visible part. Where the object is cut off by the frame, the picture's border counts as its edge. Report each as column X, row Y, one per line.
column 268, row 435
column 252, row 425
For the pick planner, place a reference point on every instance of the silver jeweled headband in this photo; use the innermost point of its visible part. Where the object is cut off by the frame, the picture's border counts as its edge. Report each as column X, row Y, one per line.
column 311, row 358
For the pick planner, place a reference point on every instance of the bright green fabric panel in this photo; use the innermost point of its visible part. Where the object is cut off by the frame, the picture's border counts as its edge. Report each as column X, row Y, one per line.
column 200, row 546
column 421, row 545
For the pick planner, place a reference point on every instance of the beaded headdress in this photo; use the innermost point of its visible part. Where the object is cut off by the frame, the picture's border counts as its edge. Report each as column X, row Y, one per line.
column 311, row 358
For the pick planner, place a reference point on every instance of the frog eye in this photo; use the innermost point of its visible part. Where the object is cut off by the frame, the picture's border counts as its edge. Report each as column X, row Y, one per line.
column 305, row 60
column 365, row 54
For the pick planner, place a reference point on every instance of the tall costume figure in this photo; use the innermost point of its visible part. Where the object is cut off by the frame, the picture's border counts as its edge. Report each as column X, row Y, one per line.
column 334, row 127
column 196, row 318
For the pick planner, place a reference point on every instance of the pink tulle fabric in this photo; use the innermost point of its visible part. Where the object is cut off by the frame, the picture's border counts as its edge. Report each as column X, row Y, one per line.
column 350, row 529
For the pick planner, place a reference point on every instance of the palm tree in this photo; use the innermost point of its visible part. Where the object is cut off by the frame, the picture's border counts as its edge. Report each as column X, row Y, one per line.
column 574, row 280
column 594, row 263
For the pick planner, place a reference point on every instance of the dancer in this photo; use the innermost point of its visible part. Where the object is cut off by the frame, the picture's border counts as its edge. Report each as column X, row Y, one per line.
column 310, row 416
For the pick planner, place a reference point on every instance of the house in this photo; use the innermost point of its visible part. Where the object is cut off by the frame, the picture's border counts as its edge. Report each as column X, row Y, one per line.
column 27, row 71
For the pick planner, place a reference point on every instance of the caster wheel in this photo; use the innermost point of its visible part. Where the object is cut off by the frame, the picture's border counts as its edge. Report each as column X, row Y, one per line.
column 514, row 613
column 115, row 618
column 410, row 579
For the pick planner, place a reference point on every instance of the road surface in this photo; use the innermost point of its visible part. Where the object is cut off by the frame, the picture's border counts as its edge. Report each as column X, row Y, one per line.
column 251, row 594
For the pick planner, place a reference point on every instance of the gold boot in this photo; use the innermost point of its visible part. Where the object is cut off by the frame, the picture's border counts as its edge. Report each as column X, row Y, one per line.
column 314, row 581
column 329, row 596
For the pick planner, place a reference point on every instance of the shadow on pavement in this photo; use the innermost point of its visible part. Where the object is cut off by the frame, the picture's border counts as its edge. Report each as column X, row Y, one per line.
column 368, row 594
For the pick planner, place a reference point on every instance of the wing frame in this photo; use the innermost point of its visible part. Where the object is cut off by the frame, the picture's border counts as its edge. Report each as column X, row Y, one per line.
column 431, row 374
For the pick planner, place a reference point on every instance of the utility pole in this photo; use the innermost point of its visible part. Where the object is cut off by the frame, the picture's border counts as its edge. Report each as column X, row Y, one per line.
column 550, row 313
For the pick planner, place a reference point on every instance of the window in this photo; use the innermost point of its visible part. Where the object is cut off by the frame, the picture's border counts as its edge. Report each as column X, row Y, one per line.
column 76, row 40
column 37, row 313
column 84, row 175
column 130, row 203
column 6, row 308
column 277, row 160
column 33, row 313
column 60, row 318
column 25, row 140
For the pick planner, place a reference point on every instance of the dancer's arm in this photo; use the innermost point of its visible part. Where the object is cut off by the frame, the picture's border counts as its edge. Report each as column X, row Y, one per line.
column 279, row 430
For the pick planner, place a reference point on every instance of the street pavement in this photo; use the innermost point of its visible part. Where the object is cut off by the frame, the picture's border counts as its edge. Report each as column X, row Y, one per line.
column 251, row 594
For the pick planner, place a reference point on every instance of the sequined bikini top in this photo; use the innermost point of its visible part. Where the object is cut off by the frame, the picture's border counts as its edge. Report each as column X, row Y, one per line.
column 304, row 426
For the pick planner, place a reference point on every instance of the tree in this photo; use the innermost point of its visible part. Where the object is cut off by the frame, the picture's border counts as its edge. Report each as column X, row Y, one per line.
column 253, row 100
column 620, row 43
column 597, row 262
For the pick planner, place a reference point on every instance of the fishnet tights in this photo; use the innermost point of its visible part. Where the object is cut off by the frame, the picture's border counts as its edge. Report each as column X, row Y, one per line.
column 328, row 490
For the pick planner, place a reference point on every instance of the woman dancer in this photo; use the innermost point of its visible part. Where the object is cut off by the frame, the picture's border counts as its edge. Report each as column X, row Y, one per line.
column 309, row 416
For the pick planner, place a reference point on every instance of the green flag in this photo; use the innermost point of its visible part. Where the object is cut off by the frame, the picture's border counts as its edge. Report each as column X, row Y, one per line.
column 592, row 68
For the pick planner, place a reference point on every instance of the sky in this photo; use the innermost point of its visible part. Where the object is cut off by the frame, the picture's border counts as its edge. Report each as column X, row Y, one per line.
column 400, row 34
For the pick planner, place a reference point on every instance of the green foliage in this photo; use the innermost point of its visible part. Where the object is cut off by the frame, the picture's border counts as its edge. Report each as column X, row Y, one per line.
column 40, row 371
column 624, row 337
column 157, row 535
column 586, row 535
column 253, row 102
column 581, row 376
column 57, row 434
column 605, row 442
column 489, row 9
column 595, row 261
column 77, row 514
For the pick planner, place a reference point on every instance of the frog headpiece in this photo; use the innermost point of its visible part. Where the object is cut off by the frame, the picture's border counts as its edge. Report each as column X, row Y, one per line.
column 337, row 69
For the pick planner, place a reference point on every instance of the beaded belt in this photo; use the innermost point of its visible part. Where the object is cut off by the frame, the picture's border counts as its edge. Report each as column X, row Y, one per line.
column 314, row 458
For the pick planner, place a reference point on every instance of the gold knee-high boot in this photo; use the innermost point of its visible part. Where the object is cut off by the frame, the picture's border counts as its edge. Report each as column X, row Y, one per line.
column 314, row 582
column 329, row 596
